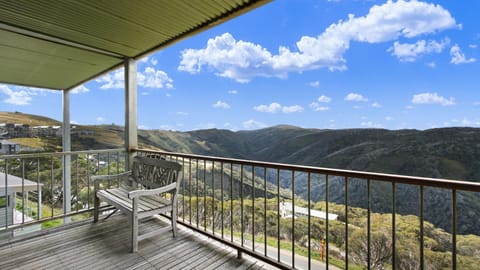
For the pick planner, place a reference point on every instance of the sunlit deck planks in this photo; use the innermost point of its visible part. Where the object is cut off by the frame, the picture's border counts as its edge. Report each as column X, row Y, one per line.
column 105, row 245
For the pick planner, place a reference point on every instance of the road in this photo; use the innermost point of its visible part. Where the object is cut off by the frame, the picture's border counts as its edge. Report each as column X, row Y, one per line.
column 301, row 262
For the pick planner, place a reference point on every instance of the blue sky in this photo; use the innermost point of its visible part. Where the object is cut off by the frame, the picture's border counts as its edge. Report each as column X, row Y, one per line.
column 316, row 64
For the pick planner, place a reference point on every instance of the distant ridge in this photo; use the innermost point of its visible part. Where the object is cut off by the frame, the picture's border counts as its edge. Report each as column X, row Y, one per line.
column 452, row 153
column 29, row 119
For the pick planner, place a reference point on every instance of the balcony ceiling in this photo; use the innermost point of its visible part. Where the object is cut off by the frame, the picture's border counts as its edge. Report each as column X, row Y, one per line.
column 62, row 44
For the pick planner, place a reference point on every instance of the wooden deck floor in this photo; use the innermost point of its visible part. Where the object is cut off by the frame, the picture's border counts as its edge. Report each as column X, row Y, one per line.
column 105, row 245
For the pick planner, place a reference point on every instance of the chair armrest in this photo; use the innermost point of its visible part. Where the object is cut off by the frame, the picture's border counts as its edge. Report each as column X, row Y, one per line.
column 97, row 178
column 155, row 191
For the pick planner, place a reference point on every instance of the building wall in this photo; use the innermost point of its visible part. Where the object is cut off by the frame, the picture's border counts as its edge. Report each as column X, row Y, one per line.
column 6, row 207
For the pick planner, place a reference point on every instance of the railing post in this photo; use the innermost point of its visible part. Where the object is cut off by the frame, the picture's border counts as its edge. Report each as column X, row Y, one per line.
column 131, row 110
column 66, row 143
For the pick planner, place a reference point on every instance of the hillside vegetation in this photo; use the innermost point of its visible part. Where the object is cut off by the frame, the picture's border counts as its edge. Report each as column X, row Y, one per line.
column 452, row 153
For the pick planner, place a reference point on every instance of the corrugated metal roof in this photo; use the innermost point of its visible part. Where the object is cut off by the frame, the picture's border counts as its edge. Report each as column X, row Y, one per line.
column 60, row 44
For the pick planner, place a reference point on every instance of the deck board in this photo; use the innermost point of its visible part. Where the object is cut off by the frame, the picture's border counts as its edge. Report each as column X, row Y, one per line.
column 106, row 245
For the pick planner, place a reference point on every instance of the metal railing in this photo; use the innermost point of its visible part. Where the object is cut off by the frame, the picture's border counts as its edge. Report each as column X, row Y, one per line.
column 33, row 186
column 267, row 210
column 238, row 202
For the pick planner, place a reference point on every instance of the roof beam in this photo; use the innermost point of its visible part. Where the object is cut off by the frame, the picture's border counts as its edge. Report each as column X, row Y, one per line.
column 57, row 40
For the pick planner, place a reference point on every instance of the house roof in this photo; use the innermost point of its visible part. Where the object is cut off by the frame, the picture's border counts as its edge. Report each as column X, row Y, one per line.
column 14, row 183
column 62, row 44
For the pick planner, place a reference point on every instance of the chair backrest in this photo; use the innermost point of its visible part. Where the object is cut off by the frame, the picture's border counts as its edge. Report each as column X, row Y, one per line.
column 155, row 173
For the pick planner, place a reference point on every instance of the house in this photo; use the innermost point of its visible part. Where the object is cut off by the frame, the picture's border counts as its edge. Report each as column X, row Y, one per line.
column 7, row 147
column 9, row 196
column 286, row 212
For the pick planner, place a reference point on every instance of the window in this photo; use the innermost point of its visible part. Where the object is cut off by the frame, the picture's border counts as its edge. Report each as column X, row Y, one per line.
column 3, row 201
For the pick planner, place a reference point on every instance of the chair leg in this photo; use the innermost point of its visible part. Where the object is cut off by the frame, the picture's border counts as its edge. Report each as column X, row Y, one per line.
column 134, row 225
column 96, row 206
column 174, row 223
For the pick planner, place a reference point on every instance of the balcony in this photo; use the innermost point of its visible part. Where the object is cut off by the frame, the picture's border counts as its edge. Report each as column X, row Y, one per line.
column 246, row 207
column 281, row 215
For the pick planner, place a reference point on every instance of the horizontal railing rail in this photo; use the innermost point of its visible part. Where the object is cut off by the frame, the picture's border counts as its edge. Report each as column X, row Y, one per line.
column 239, row 202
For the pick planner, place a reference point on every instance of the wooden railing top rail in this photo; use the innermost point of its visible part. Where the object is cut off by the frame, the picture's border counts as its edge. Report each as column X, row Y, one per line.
column 402, row 179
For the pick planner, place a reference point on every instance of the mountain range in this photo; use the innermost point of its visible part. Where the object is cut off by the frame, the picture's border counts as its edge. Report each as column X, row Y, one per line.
column 452, row 153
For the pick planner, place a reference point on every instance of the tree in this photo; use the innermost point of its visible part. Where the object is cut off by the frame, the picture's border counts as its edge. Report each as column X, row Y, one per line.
column 380, row 248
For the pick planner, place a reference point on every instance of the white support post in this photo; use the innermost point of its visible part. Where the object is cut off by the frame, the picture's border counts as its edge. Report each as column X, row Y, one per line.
column 66, row 143
column 131, row 140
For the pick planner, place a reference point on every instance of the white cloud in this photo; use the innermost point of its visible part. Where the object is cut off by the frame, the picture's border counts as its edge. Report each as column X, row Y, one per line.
column 275, row 107
column 370, row 124
column 233, row 92
column 409, row 107
column 272, row 108
column 112, row 80
column 221, row 105
column 21, row 95
column 292, row 109
column 314, row 84
column 477, row 103
column 100, row 120
column 432, row 98
column 458, row 57
column 389, row 118
column 252, row 124
column 410, row 52
column 473, row 46
column 153, row 78
column 80, row 89
column 376, row 105
column 317, row 107
column 18, row 97
column 242, row 60
column 356, row 97
column 324, row 99
column 431, row 64
column 181, row 113
column 149, row 78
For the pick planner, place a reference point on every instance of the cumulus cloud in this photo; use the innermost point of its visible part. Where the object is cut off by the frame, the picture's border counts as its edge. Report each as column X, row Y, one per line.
column 18, row 97
column 410, row 52
column 292, row 109
column 317, row 107
column 431, row 64
column 432, row 98
column 314, row 84
column 272, row 108
column 324, row 99
column 275, row 107
column 221, row 105
column 458, row 57
column 242, row 60
column 149, row 78
column 370, row 124
column 252, row 124
column 376, row 105
column 356, row 97
column 153, row 78
column 80, row 89
column 100, row 119
column 233, row 92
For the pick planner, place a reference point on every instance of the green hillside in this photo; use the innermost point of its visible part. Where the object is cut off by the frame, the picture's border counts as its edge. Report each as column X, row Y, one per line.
column 452, row 153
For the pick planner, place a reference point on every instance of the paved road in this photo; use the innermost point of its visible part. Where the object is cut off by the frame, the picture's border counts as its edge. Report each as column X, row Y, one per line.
column 301, row 262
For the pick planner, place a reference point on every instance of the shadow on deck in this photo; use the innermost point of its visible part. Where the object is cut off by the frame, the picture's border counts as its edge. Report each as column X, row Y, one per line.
column 105, row 245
